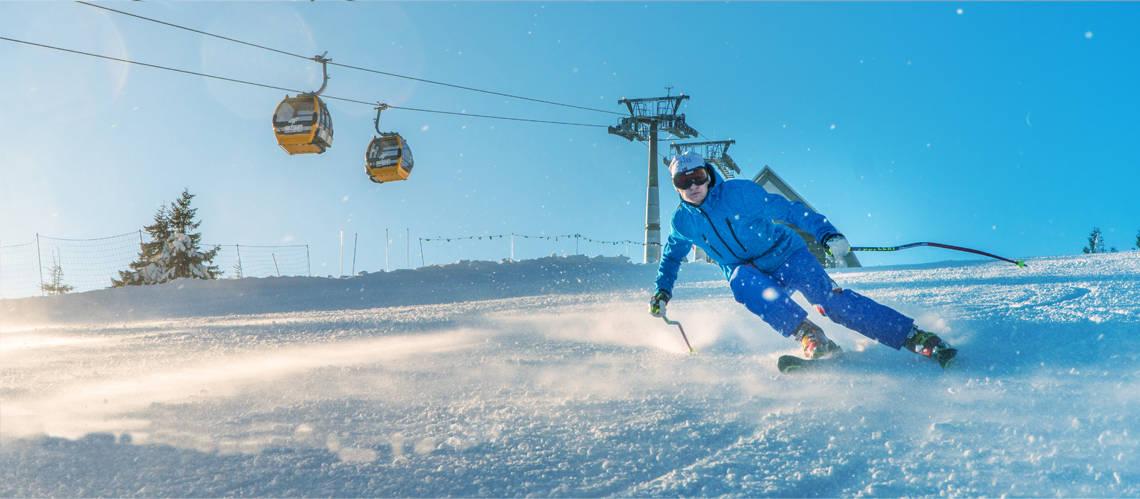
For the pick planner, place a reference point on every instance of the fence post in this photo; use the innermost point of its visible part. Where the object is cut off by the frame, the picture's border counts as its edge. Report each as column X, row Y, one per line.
column 40, row 263
column 241, row 271
column 355, row 238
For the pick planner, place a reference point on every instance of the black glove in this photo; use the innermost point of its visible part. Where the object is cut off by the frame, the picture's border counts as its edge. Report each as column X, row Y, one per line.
column 657, row 303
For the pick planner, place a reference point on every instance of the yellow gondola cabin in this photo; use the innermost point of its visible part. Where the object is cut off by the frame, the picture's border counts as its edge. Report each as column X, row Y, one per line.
column 389, row 158
column 303, row 125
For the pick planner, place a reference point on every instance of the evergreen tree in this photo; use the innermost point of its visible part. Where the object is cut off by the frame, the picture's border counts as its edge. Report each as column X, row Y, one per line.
column 56, row 286
column 1096, row 242
column 149, row 252
column 185, row 256
column 173, row 251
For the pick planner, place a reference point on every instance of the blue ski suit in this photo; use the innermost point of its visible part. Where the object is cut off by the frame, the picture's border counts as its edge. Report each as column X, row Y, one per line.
column 765, row 262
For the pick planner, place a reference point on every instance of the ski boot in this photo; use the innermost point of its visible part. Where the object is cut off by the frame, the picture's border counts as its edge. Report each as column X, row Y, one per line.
column 928, row 344
column 815, row 343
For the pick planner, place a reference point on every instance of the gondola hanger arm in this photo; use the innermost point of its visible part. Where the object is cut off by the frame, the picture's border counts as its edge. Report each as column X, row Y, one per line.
column 324, row 69
column 380, row 107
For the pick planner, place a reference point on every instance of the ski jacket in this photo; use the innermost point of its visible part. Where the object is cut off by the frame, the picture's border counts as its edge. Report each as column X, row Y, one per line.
column 736, row 225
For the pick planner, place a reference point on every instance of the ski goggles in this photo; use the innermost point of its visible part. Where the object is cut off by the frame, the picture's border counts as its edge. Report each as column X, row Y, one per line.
column 684, row 180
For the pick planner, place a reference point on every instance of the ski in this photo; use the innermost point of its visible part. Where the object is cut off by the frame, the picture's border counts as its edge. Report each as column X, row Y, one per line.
column 790, row 363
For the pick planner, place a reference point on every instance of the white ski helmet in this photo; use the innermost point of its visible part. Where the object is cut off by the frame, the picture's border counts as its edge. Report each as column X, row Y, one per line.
column 686, row 161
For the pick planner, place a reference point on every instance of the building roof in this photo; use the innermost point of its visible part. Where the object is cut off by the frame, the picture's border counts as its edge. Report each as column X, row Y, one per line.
column 772, row 183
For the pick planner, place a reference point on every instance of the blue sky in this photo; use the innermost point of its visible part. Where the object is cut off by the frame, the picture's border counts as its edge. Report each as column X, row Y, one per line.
column 1007, row 127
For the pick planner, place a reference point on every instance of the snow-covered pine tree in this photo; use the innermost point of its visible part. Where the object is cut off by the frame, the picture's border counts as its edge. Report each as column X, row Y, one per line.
column 186, row 260
column 1096, row 242
column 149, row 253
column 173, row 251
column 56, row 286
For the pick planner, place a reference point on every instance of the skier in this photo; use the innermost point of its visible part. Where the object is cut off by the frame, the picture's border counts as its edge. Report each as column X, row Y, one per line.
column 734, row 221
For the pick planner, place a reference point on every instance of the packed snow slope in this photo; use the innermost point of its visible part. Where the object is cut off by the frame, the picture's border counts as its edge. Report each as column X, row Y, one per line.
column 549, row 378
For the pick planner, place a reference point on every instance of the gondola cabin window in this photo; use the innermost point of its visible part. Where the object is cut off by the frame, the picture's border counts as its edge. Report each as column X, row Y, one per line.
column 407, row 155
column 295, row 117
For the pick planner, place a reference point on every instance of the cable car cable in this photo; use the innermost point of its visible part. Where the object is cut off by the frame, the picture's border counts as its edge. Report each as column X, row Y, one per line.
column 349, row 66
column 291, row 90
column 490, row 92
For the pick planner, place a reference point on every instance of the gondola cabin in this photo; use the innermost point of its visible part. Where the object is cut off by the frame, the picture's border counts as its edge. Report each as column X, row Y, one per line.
column 303, row 125
column 388, row 158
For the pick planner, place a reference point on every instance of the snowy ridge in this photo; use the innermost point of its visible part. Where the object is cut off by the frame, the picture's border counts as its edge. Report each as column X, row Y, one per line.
column 464, row 281
column 556, row 382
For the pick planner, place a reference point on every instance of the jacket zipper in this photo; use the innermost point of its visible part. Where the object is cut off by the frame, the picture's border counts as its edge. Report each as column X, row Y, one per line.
column 733, row 232
column 718, row 236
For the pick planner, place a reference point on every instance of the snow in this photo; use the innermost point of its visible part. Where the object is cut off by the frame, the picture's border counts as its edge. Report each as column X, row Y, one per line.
column 549, row 377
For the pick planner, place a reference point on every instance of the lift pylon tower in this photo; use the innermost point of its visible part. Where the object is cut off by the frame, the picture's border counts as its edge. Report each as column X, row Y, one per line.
column 714, row 151
column 647, row 116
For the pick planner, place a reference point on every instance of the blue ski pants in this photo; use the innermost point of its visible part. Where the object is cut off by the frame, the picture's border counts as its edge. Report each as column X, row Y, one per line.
column 769, row 295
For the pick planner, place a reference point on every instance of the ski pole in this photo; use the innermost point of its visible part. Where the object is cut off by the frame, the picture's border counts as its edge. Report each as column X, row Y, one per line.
column 1019, row 263
column 683, row 335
